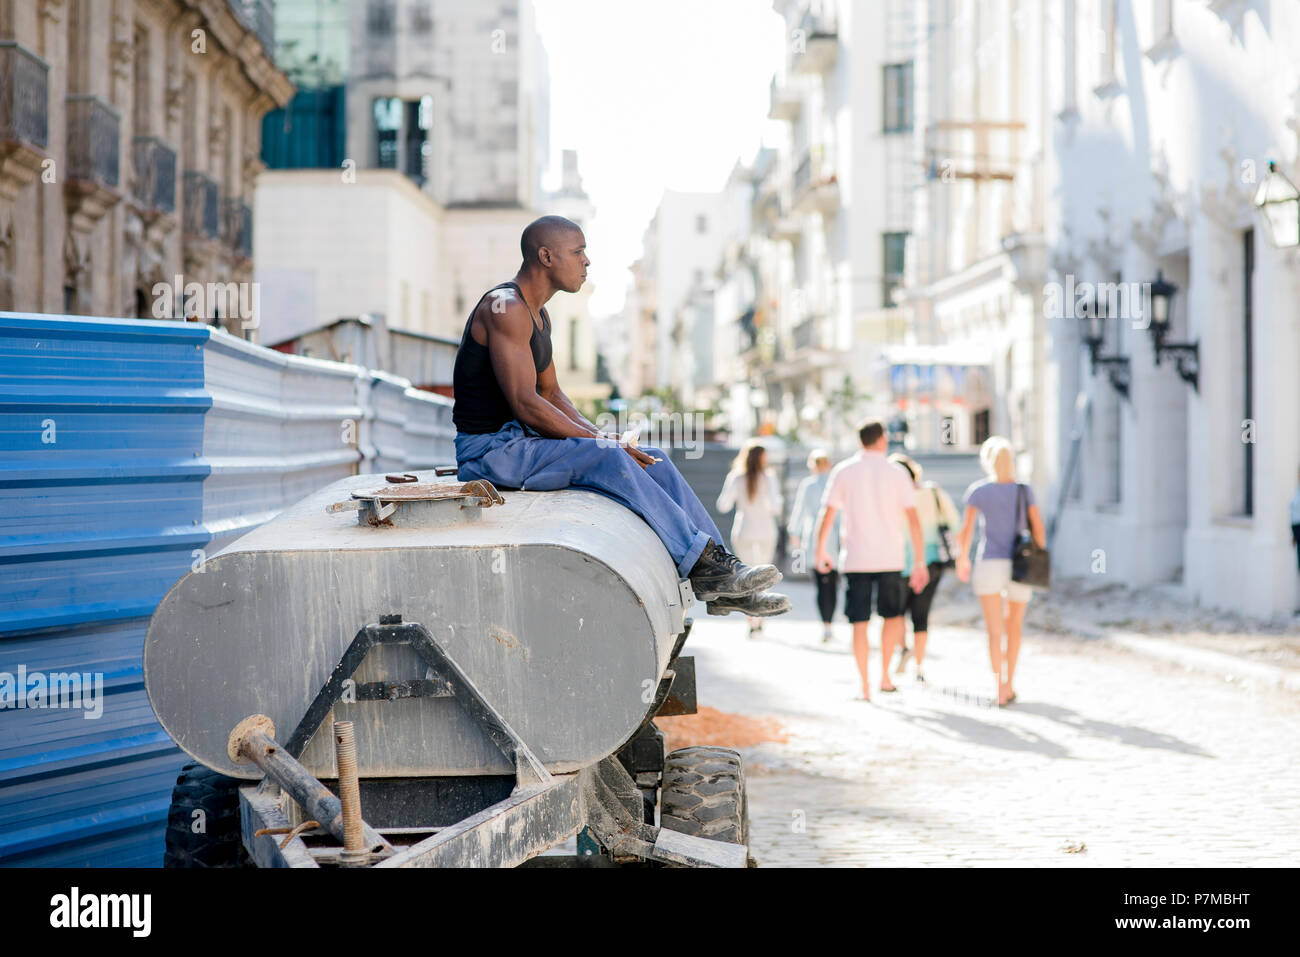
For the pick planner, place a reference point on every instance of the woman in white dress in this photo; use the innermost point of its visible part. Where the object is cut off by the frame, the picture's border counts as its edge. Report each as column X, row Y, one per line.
column 752, row 491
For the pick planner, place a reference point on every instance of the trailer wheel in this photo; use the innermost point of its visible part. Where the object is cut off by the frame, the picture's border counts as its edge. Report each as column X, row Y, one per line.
column 703, row 794
column 218, row 842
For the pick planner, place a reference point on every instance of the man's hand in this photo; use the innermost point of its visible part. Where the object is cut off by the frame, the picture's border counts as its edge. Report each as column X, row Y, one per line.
column 641, row 458
column 963, row 568
column 920, row 578
column 824, row 562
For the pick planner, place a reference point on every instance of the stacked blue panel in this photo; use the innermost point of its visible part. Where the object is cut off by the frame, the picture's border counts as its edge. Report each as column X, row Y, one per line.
column 101, row 497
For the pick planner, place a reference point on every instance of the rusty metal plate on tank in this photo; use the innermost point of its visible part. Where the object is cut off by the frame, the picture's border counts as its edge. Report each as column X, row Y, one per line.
column 377, row 506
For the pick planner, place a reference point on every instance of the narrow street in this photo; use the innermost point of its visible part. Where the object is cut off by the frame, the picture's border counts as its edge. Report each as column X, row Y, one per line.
column 1108, row 759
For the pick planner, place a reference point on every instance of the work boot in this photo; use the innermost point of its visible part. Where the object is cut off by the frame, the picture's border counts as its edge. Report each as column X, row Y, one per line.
column 719, row 574
column 761, row 605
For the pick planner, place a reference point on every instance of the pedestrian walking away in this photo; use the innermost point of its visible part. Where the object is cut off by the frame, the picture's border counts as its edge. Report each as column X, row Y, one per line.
column 937, row 514
column 802, row 529
column 752, row 491
column 876, row 497
column 1003, row 506
column 1295, row 523
column 516, row 428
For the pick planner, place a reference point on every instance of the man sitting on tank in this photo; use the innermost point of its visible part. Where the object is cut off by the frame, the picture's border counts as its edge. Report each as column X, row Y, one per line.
column 516, row 428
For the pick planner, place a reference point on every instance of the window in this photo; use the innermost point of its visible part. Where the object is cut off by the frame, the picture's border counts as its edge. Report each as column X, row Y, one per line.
column 388, row 123
column 894, row 246
column 573, row 343
column 379, row 18
column 141, row 63
column 417, row 143
column 898, row 98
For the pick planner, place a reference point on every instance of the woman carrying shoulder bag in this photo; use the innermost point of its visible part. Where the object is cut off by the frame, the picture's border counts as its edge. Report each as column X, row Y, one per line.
column 1005, row 506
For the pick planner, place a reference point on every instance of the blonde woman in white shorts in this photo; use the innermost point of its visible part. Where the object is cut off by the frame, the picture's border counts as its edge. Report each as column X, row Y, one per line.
column 995, row 500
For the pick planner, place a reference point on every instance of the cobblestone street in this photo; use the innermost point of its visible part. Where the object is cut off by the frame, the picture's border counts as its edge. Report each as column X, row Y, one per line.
column 1109, row 758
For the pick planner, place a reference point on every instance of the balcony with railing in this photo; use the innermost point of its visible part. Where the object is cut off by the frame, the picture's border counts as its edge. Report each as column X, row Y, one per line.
column 820, row 41
column 24, row 97
column 24, row 116
column 201, row 217
column 93, row 164
column 154, row 187
column 814, row 187
column 784, row 98
column 237, row 227
column 809, row 333
column 94, row 131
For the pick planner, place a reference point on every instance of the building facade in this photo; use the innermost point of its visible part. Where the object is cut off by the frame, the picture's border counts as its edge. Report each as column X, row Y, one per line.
column 1188, row 442
column 978, row 359
column 835, row 207
column 446, row 140
column 130, row 136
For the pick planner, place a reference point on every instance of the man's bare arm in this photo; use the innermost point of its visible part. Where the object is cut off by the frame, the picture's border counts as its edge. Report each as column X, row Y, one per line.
column 548, row 386
column 512, row 360
column 824, row 523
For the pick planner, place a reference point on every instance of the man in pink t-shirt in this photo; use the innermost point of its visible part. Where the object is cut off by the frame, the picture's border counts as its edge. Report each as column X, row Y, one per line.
column 876, row 496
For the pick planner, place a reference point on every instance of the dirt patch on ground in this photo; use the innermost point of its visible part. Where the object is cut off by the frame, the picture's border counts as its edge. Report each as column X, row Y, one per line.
column 715, row 727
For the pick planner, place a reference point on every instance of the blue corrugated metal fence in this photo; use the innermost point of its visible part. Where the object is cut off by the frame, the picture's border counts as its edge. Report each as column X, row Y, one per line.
column 128, row 449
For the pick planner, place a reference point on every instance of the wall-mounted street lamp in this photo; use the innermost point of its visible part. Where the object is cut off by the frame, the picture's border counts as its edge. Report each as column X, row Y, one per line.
column 1278, row 201
column 1092, row 316
column 1186, row 354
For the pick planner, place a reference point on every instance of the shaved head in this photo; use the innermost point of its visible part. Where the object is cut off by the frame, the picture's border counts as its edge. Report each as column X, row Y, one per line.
column 549, row 231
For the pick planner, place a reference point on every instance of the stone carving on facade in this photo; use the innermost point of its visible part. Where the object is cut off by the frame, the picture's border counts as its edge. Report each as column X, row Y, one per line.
column 1148, row 231
column 1230, row 202
column 122, row 48
column 1103, row 248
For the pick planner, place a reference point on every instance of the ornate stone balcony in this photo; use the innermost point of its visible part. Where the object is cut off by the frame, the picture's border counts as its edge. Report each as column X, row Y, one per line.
column 201, row 218
column 237, row 227
column 24, row 116
column 154, row 186
column 93, row 174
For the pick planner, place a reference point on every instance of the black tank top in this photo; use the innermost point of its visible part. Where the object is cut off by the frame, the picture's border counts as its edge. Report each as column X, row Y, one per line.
column 479, row 405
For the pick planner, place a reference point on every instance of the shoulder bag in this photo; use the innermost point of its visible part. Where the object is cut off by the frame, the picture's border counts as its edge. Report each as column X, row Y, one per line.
column 1030, row 565
column 947, row 552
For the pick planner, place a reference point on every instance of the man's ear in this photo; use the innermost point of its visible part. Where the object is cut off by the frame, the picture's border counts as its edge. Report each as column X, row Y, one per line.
column 544, row 256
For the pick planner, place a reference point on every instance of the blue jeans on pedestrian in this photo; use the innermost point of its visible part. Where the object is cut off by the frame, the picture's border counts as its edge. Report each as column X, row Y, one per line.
column 516, row 457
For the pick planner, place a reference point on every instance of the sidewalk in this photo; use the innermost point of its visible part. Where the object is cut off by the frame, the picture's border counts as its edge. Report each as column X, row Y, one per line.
column 1155, row 621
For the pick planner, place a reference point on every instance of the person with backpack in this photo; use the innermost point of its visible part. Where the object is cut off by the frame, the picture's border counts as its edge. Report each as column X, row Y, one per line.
column 938, row 515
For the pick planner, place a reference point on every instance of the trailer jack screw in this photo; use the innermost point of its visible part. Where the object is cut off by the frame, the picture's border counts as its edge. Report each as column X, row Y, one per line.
column 345, row 751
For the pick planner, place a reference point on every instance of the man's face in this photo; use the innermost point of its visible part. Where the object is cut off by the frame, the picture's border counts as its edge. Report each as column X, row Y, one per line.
column 568, row 261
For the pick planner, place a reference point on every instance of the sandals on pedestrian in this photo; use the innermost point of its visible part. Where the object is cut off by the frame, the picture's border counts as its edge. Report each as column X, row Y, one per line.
column 889, row 690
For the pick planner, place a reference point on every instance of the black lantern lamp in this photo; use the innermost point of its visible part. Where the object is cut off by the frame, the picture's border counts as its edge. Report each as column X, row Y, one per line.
column 1278, row 201
column 1092, row 318
column 1160, row 310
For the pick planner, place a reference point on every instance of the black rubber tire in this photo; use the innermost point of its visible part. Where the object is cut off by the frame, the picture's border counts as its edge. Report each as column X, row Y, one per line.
column 217, row 796
column 703, row 794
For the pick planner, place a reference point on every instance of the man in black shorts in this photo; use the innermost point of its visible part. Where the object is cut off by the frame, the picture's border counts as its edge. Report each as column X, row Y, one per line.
column 877, row 498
